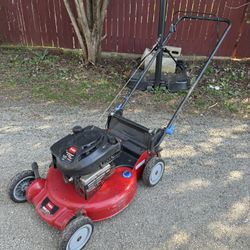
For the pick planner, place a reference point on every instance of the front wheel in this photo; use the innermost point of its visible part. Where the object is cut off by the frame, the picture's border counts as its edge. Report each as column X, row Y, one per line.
column 153, row 171
column 18, row 185
column 76, row 234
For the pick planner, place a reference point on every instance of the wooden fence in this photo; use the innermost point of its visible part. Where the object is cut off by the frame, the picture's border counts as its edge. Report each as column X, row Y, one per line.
column 130, row 25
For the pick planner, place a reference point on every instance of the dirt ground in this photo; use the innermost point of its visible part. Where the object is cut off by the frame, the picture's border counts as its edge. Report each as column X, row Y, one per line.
column 203, row 201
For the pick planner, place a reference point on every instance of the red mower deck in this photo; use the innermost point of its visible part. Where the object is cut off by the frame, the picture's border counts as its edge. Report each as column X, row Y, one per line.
column 53, row 193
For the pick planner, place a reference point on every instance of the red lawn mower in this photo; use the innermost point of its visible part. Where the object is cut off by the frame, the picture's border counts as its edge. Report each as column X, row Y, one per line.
column 94, row 172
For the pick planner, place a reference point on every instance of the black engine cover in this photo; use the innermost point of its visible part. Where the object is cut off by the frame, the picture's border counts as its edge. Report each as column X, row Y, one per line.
column 85, row 151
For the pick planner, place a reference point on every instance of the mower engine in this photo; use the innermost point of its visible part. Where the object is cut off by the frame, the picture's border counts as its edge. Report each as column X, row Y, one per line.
column 85, row 158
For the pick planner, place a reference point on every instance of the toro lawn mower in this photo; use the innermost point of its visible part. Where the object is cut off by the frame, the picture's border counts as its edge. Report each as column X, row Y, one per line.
column 94, row 172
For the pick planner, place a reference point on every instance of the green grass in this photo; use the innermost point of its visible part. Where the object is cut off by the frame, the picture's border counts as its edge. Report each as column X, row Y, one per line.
column 100, row 91
column 63, row 78
column 50, row 77
column 228, row 92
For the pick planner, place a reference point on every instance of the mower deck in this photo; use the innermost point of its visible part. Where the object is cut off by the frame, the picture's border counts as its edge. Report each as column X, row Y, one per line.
column 57, row 202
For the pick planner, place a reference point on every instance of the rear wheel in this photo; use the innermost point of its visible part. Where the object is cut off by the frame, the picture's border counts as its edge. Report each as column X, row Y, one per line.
column 18, row 185
column 153, row 171
column 76, row 234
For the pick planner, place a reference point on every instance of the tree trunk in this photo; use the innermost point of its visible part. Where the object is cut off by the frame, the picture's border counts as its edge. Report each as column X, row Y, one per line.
column 92, row 50
column 88, row 25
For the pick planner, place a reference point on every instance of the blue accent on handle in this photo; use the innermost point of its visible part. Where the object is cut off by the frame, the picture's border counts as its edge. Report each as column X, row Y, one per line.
column 126, row 174
column 170, row 130
column 118, row 107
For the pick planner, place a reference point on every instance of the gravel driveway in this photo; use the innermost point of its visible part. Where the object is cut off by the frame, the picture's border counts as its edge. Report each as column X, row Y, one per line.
column 203, row 202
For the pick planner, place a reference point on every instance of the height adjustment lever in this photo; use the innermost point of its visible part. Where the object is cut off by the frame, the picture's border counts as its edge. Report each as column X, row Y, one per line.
column 34, row 167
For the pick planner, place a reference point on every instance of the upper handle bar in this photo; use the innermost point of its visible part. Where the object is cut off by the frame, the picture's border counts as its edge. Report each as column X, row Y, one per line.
column 205, row 18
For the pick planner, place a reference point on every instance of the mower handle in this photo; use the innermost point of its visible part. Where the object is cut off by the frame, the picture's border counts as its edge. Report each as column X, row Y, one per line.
column 204, row 18
column 169, row 127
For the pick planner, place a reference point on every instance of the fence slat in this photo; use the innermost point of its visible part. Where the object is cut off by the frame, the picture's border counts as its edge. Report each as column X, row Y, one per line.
column 242, row 43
